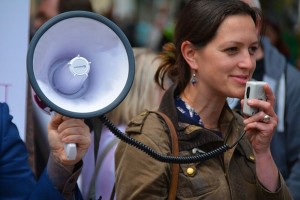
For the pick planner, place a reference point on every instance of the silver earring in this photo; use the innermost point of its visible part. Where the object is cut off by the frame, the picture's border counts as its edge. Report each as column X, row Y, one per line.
column 193, row 79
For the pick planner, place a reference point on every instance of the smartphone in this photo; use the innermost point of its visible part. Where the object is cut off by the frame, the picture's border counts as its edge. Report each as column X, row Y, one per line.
column 253, row 90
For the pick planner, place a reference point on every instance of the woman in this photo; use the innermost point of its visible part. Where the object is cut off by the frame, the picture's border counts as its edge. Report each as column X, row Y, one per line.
column 212, row 59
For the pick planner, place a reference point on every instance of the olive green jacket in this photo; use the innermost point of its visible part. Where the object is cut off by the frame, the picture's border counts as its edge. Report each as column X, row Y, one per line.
column 230, row 175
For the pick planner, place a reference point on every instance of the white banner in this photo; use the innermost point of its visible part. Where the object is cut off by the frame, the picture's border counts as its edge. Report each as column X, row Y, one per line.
column 14, row 38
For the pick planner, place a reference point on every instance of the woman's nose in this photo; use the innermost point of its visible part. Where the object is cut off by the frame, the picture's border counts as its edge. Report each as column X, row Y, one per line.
column 247, row 61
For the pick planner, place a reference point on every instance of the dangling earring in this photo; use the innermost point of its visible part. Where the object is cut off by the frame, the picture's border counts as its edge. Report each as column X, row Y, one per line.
column 194, row 79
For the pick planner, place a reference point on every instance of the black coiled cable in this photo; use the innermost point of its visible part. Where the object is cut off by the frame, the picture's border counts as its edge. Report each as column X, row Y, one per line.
column 160, row 157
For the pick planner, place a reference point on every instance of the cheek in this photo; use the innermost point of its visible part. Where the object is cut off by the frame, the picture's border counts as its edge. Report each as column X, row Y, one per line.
column 214, row 75
column 215, row 67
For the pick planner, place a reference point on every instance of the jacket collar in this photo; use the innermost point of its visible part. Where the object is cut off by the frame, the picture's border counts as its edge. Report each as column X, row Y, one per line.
column 168, row 106
column 191, row 136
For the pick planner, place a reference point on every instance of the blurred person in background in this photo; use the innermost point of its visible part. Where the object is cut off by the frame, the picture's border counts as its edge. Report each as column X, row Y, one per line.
column 47, row 9
column 284, row 79
column 273, row 32
column 97, row 180
column 58, row 180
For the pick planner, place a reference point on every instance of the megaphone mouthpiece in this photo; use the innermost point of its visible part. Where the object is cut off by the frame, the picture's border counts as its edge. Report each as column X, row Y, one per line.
column 79, row 66
column 69, row 77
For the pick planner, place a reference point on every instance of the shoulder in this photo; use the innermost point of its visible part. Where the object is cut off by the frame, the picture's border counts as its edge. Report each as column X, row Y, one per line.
column 11, row 143
column 293, row 86
column 293, row 78
column 145, row 120
column 4, row 110
column 9, row 131
column 6, row 123
column 5, row 119
column 150, row 128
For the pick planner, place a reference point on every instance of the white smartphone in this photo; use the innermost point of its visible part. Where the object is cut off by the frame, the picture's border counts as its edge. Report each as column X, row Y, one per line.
column 253, row 90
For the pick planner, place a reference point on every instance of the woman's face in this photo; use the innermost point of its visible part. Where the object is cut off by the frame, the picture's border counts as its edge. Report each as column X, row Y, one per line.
column 226, row 63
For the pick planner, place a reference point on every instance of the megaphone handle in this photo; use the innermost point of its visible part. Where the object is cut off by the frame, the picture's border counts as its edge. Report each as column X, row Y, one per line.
column 70, row 148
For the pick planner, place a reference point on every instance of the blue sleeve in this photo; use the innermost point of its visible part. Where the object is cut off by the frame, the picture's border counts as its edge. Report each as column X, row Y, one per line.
column 293, row 181
column 292, row 135
column 45, row 189
column 16, row 177
column 17, row 180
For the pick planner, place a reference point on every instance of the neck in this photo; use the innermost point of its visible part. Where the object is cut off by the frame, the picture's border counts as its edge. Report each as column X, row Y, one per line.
column 209, row 109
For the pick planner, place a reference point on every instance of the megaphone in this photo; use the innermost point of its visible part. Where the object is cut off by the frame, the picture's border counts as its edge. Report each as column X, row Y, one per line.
column 80, row 64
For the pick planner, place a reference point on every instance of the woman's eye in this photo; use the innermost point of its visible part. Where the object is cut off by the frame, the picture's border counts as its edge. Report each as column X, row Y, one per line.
column 252, row 50
column 231, row 50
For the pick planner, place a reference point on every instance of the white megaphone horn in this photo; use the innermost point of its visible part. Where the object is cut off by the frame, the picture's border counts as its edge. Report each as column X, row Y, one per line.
column 80, row 64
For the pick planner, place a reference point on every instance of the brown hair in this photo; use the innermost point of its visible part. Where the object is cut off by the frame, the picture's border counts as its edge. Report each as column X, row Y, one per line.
column 198, row 23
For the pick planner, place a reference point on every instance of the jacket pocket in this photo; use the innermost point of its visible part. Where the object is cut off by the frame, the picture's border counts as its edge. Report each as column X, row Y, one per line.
column 199, row 179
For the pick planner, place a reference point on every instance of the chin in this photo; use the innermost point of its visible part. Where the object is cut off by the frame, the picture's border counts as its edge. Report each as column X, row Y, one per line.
column 238, row 94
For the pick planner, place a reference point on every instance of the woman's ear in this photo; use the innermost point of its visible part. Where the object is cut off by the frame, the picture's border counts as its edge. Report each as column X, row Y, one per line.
column 189, row 52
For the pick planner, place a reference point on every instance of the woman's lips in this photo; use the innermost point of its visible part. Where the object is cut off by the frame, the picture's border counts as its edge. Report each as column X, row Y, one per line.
column 241, row 79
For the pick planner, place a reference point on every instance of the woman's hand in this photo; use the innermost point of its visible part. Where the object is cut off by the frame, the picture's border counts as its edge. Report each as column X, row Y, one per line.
column 260, row 132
